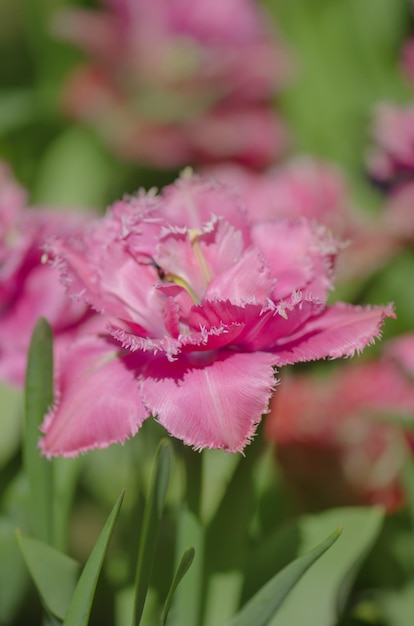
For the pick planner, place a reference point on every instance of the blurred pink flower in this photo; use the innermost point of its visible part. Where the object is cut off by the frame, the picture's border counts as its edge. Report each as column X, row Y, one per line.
column 317, row 190
column 402, row 351
column 301, row 187
column 391, row 160
column 407, row 60
column 201, row 303
column 172, row 81
column 28, row 288
column 333, row 447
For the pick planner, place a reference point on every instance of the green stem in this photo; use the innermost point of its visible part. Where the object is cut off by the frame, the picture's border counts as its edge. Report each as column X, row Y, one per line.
column 189, row 595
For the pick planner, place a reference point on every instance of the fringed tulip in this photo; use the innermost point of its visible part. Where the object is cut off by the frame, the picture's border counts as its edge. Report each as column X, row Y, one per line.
column 201, row 304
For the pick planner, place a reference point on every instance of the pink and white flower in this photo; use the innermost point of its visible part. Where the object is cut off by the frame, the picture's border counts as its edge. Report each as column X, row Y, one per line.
column 171, row 82
column 200, row 304
column 29, row 288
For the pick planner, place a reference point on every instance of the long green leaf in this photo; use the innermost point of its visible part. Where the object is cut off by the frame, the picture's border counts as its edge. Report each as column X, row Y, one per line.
column 182, row 569
column 14, row 576
column 81, row 603
column 151, row 525
column 54, row 574
column 267, row 600
column 38, row 398
column 326, row 587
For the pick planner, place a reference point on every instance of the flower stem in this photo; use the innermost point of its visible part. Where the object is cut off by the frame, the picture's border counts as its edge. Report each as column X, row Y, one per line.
column 191, row 533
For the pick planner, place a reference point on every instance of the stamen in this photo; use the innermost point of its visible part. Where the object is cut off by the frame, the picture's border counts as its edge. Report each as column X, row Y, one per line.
column 173, row 278
column 194, row 235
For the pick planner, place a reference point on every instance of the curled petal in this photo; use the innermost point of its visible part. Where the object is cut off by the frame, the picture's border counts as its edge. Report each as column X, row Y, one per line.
column 299, row 255
column 341, row 330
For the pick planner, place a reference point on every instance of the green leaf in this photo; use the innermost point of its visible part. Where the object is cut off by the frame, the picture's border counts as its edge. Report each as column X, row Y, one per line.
column 261, row 608
column 10, row 402
column 151, row 525
column 327, row 585
column 182, row 569
column 66, row 474
column 17, row 108
column 408, row 482
column 398, row 605
column 53, row 573
column 81, row 603
column 189, row 596
column 227, row 543
column 13, row 573
column 191, row 531
column 74, row 172
column 38, row 399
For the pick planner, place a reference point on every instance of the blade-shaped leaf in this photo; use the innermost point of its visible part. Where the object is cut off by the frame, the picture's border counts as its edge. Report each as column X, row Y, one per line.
column 267, row 600
column 182, row 569
column 81, row 603
column 13, row 572
column 326, row 587
column 54, row 574
column 38, row 398
column 151, row 525
column 10, row 402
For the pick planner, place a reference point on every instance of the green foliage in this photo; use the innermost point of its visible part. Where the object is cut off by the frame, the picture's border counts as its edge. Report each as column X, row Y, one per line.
column 326, row 587
column 13, row 576
column 267, row 601
column 54, row 574
column 182, row 569
column 151, row 525
column 38, row 399
column 82, row 599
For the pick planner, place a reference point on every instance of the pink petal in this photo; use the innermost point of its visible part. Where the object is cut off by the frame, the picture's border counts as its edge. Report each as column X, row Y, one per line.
column 108, row 278
column 341, row 330
column 299, row 255
column 249, row 280
column 97, row 400
column 255, row 326
column 193, row 201
column 216, row 402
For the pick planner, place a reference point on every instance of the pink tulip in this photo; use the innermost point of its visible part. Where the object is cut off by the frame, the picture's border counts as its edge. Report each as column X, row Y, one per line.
column 317, row 190
column 392, row 158
column 332, row 442
column 200, row 304
column 171, row 82
column 29, row 288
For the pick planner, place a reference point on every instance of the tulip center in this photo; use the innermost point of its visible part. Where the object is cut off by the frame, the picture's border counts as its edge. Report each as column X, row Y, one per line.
column 193, row 290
